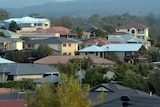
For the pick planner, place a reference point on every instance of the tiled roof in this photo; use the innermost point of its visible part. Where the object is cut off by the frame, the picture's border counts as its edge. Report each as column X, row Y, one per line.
column 65, row 59
column 12, row 103
column 97, row 41
column 132, row 25
column 52, row 40
column 55, row 29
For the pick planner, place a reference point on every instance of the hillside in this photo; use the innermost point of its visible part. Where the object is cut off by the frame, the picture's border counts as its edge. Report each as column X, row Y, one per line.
column 86, row 8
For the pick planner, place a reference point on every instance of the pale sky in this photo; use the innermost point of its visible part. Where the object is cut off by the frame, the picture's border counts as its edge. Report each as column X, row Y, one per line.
column 24, row 3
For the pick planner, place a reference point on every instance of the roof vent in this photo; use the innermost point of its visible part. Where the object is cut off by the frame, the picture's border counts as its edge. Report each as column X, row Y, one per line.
column 125, row 100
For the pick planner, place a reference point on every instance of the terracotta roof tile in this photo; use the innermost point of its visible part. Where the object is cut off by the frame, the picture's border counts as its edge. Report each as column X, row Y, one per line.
column 12, row 103
column 97, row 41
column 5, row 90
column 118, row 33
column 56, row 29
column 131, row 25
column 64, row 59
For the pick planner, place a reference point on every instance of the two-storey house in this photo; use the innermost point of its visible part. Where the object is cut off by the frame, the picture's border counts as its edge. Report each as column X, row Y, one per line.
column 134, row 29
column 63, row 46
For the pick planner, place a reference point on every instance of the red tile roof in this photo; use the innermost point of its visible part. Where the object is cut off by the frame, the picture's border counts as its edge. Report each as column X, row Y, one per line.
column 97, row 41
column 12, row 103
column 64, row 59
column 132, row 25
column 56, row 29
column 5, row 90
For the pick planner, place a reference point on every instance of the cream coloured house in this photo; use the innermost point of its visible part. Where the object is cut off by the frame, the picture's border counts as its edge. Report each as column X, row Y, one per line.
column 10, row 41
column 135, row 29
column 63, row 46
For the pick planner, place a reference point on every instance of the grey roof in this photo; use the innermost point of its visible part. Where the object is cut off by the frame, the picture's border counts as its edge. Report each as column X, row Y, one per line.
column 15, row 95
column 127, row 38
column 135, row 101
column 8, row 33
column 113, row 91
column 50, row 78
column 3, row 39
column 51, row 40
column 26, row 69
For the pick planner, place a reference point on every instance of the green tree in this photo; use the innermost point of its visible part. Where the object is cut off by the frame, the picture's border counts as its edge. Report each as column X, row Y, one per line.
column 136, row 81
column 67, row 94
column 110, row 28
column 154, row 80
column 43, row 50
column 4, row 14
column 95, row 76
column 98, row 33
column 77, row 31
column 2, row 34
column 18, row 56
column 13, row 26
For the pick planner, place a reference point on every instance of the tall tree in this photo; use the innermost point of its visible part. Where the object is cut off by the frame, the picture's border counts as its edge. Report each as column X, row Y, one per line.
column 4, row 14
column 68, row 94
column 13, row 26
column 77, row 31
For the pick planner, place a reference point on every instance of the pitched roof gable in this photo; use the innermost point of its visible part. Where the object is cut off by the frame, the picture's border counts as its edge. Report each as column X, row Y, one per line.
column 132, row 25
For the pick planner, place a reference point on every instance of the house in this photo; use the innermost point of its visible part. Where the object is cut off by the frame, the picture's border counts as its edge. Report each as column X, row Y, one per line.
column 10, row 44
column 19, row 71
column 126, row 38
column 114, row 92
column 95, row 41
column 53, row 60
column 38, row 23
column 134, row 29
column 63, row 46
column 123, row 51
column 10, row 40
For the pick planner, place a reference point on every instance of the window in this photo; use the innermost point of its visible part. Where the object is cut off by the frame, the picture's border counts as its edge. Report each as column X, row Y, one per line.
column 64, row 45
column 64, row 53
column 46, row 25
column 69, row 53
column 133, row 31
column 69, row 45
column 141, row 31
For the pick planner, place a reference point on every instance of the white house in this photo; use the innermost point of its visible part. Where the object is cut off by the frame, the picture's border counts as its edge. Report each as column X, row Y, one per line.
column 38, row 23
column 135, row 29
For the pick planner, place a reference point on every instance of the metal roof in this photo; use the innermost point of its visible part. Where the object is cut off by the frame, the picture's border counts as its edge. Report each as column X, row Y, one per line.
column 112, row 48
column 27, row 69
column 26, row 19
column 2, row 61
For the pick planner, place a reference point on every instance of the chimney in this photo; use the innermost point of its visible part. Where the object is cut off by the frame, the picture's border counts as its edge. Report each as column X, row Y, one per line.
column 125, row 101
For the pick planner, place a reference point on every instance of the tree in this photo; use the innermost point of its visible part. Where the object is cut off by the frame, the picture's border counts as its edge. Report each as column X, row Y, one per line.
column 43, row 50
column 4, row 14
column 77, row 31
column 94, row 76
column 13, row 26
column 67, row 94
column 135, row 81
column 98, row 33
column 154, row 79
column 110, row 28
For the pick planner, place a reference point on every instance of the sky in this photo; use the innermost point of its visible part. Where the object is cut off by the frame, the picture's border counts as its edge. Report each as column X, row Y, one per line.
column 24, row 3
